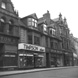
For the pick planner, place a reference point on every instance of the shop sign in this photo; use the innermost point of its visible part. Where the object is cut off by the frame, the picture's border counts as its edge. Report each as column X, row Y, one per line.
column 31, row 47
column 9, row 55
column 5, row 39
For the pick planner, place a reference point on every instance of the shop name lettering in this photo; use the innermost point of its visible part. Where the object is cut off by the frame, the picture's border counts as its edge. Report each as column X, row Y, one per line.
column 7, row 40
column 34, row 48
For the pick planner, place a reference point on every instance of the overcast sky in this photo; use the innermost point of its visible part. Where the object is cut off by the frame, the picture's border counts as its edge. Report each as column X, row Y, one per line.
column 68, row 9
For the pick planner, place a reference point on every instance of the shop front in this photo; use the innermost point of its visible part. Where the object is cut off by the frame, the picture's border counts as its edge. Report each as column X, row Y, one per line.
column 56, row 58
column 8, row 52
column 68, row 59
column 30, row 56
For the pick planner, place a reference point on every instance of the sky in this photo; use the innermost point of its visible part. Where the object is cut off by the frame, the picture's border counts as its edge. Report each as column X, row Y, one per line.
column 68, row 9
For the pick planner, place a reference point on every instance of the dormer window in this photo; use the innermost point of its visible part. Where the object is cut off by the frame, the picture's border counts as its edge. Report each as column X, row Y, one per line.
column 3, row 5
column 44, row 27
column 32, row 22
column 52, row 31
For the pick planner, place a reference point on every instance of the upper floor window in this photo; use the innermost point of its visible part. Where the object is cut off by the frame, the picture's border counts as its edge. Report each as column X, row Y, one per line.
column 44, row 27
column 32, row 22
column 36, row 40
column 11, row 27
column 2, row 24
column 29, row 37
column 3, row 5
column 52, row 31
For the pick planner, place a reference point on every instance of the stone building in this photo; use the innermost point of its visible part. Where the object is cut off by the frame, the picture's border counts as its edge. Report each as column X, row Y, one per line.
column 32, row 42
column 31, row 48
column 9, row 35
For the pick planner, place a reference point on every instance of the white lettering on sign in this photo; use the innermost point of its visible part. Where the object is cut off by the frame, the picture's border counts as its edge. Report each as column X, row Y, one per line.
column 31, row 47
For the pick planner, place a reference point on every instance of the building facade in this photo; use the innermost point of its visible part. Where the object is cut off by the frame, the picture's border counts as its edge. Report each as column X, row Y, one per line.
column 9, row 35
column 31, row 49
column 32, row 42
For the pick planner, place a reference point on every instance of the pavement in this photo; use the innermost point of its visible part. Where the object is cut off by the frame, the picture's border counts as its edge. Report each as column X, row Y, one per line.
column 7, row 73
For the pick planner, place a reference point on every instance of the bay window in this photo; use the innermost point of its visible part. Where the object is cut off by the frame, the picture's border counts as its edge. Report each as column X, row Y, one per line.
column 32, row 22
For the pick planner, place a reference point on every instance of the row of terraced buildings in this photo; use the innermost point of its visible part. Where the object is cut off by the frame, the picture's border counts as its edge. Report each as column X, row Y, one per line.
column 32, row 42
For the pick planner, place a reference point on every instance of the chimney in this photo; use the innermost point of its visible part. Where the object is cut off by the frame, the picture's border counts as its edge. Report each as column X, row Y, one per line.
column 46, row 17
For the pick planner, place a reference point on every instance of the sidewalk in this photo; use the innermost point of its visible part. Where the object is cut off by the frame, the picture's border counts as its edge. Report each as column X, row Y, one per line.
column 5, row 73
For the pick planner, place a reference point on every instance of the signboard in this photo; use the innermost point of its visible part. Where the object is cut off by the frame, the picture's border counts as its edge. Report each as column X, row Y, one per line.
column 31, row 47
column 6, row 39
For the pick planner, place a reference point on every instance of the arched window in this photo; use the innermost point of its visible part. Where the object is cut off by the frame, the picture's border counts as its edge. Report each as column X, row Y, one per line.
column 3, row 5
column 11, row 23
column 2, row 24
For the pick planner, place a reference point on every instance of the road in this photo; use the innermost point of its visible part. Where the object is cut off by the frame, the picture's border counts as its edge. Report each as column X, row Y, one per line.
column 58, row 73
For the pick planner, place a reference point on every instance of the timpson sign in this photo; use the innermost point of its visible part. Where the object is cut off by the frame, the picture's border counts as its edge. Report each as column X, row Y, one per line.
column 31, row 47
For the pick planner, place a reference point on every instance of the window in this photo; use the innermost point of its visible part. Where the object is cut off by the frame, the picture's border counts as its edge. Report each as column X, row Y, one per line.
column 51, row 44
column 10, row 27
column 60, row 30
column 44, row 27
column 32, row 22
column 2, row 26
column 29, row 39
column 30, row 61
column 3, row 5
column 46, row 41
column 36, row 40
column 52, row 31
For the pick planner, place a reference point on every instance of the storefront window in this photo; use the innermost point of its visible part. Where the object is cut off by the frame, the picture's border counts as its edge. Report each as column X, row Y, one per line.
column 30, row 61
column 38, row 61
column 23, row 61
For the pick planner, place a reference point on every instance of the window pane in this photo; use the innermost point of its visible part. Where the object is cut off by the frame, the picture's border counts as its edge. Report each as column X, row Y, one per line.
column 2, row 20
column 30, row 39
column 30, row 23
column 10, row 29
column 36, row 40
column 33, row 19
column 3, row 5
column 50, row 30
column 45, row 27
column 2, row 26
column 35, row 24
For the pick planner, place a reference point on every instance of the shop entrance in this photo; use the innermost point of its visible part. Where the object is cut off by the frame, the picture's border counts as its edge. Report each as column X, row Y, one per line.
column 1, row 54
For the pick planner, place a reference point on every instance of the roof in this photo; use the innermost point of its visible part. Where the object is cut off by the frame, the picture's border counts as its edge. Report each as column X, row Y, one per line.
column 21, row 23
column 40, row 20
column 33, row 15
column 56, row 19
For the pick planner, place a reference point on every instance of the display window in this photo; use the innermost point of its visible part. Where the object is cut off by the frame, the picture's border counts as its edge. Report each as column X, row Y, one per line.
column 30, row 61
column 23, row 61
column 38, row 61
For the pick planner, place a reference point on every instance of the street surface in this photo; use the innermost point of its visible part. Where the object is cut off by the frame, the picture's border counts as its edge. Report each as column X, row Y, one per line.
column 58, row 73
